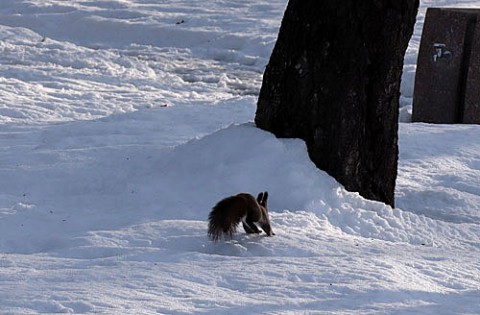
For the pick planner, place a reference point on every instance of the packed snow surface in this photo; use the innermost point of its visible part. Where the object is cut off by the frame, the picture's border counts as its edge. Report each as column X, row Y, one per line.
column 123, row 122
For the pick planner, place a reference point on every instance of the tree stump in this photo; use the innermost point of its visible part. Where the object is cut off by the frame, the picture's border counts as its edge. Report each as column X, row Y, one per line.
column 333, row 79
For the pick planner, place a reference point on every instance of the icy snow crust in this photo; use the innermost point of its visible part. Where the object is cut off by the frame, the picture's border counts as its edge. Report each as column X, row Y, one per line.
column 123, row 122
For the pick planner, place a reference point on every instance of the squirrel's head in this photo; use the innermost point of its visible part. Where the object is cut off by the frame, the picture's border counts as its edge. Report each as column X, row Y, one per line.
column 262, row 200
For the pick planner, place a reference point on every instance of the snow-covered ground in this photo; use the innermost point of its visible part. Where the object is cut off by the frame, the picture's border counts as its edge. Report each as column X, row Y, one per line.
column 123, row 122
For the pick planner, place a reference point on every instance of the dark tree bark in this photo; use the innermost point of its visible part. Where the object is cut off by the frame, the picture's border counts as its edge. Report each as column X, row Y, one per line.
column 333, row 80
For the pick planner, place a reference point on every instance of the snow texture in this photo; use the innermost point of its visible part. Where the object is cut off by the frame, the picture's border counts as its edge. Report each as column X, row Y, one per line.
column 123, row 122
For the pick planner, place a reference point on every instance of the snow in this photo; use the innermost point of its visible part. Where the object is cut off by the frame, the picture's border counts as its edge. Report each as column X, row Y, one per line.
column 123, row 122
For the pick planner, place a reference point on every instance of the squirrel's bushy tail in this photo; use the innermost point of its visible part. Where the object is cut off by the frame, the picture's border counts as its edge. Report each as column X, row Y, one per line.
column 223, row 219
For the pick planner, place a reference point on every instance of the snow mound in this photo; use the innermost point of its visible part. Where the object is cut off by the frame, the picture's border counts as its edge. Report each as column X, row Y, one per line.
column 185, row 181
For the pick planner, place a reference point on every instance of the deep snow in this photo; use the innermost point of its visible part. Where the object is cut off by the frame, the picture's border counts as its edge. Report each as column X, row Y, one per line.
column 123, row 122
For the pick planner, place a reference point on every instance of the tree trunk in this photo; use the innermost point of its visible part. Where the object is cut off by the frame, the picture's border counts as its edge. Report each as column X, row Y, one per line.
column 334, row 80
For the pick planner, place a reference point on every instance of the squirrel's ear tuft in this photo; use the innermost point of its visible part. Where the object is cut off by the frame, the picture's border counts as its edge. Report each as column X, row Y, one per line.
column 260, row 198
column 264, row 199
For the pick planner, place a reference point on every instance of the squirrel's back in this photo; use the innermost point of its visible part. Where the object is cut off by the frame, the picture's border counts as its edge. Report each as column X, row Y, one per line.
column 228, row 213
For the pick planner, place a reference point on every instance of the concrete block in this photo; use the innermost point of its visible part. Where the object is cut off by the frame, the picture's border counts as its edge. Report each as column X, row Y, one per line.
column 448, row 68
